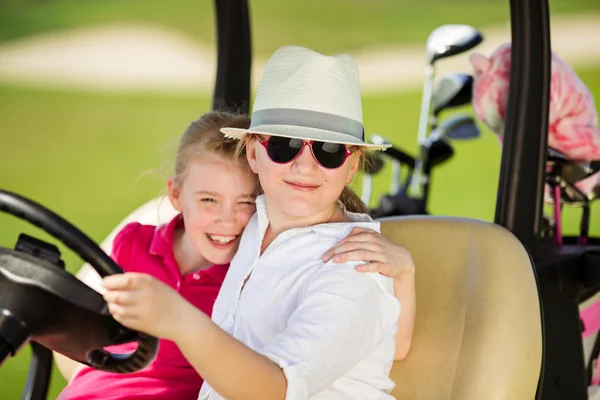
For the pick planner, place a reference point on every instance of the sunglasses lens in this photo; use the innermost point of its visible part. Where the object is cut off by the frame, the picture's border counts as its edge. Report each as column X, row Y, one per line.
column 329, row 155
column 283, row 150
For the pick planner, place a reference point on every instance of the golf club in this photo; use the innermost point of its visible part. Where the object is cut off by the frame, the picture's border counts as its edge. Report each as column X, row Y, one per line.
column 452, row 90
column 445, row 41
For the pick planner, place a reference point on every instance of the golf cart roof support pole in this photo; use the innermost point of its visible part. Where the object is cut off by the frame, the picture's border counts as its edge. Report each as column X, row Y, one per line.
column 522, row 173
column 234, row 56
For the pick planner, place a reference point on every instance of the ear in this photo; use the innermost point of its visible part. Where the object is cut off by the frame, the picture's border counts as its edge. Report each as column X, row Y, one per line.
column 481, row 64
column 355, row 162
column 174, row 194
column 251, row 154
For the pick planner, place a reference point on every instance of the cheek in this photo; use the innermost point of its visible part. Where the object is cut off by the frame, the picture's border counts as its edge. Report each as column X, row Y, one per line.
column 198, row 217
column 338, row 178
column 244, row 217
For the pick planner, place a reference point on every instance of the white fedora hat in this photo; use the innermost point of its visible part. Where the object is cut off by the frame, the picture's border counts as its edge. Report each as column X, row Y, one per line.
column 307, row 95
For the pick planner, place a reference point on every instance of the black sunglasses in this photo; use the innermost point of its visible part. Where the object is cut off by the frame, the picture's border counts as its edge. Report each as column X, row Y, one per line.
column 282, row 150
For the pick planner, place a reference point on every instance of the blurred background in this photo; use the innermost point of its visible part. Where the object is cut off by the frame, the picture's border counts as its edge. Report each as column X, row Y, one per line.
column 94, row 94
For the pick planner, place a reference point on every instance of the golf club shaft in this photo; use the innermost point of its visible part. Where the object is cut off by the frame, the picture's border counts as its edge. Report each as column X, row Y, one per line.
column 416, row 184
column 367, row 187
column 558, row 239
column 584, row 226
column 425, row 104
column 396, row 176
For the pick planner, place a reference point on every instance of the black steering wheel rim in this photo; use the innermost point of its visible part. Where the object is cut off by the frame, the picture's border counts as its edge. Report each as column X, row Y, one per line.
column 34, row 213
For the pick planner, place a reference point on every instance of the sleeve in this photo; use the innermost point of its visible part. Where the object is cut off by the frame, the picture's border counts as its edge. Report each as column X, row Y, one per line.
column 343, row 317
column 122, row 247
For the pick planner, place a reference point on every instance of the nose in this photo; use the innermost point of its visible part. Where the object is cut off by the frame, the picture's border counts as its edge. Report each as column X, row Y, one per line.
column 227, row 214
column 305, row 162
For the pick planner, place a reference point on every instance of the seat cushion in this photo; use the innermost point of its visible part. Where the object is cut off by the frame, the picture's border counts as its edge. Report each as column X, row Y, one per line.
column 478, row 328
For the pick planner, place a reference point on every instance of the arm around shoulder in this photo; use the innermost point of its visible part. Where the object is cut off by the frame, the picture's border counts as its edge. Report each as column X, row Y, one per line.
column 343, row 317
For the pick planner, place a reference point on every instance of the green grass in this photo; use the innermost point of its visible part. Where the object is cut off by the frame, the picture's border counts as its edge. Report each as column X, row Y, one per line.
column 346, row 24
column 83, row 155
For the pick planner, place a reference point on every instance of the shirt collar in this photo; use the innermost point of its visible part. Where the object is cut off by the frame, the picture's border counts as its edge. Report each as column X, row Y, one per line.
column 217, row 272
column 162, row 246
column 163, row 237
column 358, row 219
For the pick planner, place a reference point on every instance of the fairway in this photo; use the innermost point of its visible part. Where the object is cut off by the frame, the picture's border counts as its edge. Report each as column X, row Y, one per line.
column 323, row 25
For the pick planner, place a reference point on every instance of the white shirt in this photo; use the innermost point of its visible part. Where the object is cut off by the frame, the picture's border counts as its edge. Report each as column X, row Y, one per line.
column 330, row 328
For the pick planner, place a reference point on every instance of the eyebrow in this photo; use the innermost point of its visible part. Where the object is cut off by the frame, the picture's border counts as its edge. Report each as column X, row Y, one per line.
column 214, row 194
column 199, row 192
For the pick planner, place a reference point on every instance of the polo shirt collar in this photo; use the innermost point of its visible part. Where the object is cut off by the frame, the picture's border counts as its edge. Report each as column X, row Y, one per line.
column 162, row 246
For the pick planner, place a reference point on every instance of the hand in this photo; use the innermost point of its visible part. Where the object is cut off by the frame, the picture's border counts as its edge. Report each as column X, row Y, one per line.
column 144, row 303
column 364, row 244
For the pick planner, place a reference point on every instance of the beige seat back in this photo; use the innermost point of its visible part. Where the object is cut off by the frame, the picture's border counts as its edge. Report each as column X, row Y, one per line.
column 478, row 332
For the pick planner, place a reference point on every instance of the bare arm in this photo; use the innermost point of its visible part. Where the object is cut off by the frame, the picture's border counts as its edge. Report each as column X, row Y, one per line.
column 404, row 290
column 238, row 372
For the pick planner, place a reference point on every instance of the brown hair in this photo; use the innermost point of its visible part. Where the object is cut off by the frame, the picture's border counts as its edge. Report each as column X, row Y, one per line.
column 205, row 134
column 349, row 199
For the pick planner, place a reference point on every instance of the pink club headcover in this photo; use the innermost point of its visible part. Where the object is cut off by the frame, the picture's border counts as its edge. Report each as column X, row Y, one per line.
column 573, row 121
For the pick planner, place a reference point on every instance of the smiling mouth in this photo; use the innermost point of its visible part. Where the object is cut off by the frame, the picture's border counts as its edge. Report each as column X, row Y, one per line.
column 304, row 187
column 222, row 239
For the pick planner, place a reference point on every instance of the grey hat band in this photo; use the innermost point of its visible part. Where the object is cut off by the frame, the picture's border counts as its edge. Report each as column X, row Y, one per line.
column 308, row 119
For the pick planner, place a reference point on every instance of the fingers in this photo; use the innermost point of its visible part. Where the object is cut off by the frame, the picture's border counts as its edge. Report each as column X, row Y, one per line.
column 124, row 294
column 121, row 297
column 126, row 316
column 357, row 236
column 355, row 251
column 361, row 235
column 126, row 281
column 382, row 268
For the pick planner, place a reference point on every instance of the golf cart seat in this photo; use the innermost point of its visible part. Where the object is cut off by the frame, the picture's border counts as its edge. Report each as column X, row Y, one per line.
column 478, row 331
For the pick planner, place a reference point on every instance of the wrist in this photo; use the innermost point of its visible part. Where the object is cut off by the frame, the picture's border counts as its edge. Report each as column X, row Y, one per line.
column 408, row 275
column 192, row 324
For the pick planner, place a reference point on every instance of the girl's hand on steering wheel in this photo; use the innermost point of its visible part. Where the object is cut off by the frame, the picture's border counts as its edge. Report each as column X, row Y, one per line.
column 382, row 255
column 144, row 303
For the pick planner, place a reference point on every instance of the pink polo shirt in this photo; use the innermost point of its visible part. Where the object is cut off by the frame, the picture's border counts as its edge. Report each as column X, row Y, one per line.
column 149, row 249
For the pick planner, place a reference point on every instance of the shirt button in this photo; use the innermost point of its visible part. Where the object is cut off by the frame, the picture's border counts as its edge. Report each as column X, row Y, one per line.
column 178, row 284
column 196, row 276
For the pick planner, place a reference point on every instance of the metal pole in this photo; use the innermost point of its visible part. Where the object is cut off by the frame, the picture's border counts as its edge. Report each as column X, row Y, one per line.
column 522, row 173
column 234, row 56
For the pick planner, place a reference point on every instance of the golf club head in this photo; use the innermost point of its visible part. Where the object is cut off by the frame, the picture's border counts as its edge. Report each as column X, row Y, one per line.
column 457, row 127
column 572, row 196
column 568, row 170
column 440, row 151
column 452, row 90
column 449, row 40
column 378, row 139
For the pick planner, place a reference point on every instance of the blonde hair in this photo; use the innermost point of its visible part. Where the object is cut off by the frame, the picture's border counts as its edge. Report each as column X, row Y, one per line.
column 348, row 198
column 204, row 134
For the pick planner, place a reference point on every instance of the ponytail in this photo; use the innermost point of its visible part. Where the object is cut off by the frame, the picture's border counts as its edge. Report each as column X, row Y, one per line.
column 352, row 202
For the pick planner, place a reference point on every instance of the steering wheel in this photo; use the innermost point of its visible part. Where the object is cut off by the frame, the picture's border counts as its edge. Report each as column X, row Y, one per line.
column 41, row 302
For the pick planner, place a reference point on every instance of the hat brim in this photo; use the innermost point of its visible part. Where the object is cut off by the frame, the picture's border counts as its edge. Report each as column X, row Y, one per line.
column 301, row 132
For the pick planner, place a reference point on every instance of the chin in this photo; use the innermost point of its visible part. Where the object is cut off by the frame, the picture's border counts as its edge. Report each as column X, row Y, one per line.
column 299, row 207
column 220, row 259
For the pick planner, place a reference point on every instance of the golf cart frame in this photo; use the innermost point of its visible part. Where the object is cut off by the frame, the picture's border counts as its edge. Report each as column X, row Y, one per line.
column 564, row 274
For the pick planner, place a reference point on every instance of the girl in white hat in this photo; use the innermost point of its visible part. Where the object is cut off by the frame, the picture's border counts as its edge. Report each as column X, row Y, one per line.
column 286, row 324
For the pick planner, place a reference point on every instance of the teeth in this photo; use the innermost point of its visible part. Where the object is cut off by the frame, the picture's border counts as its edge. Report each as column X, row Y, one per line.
column 221, row 239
